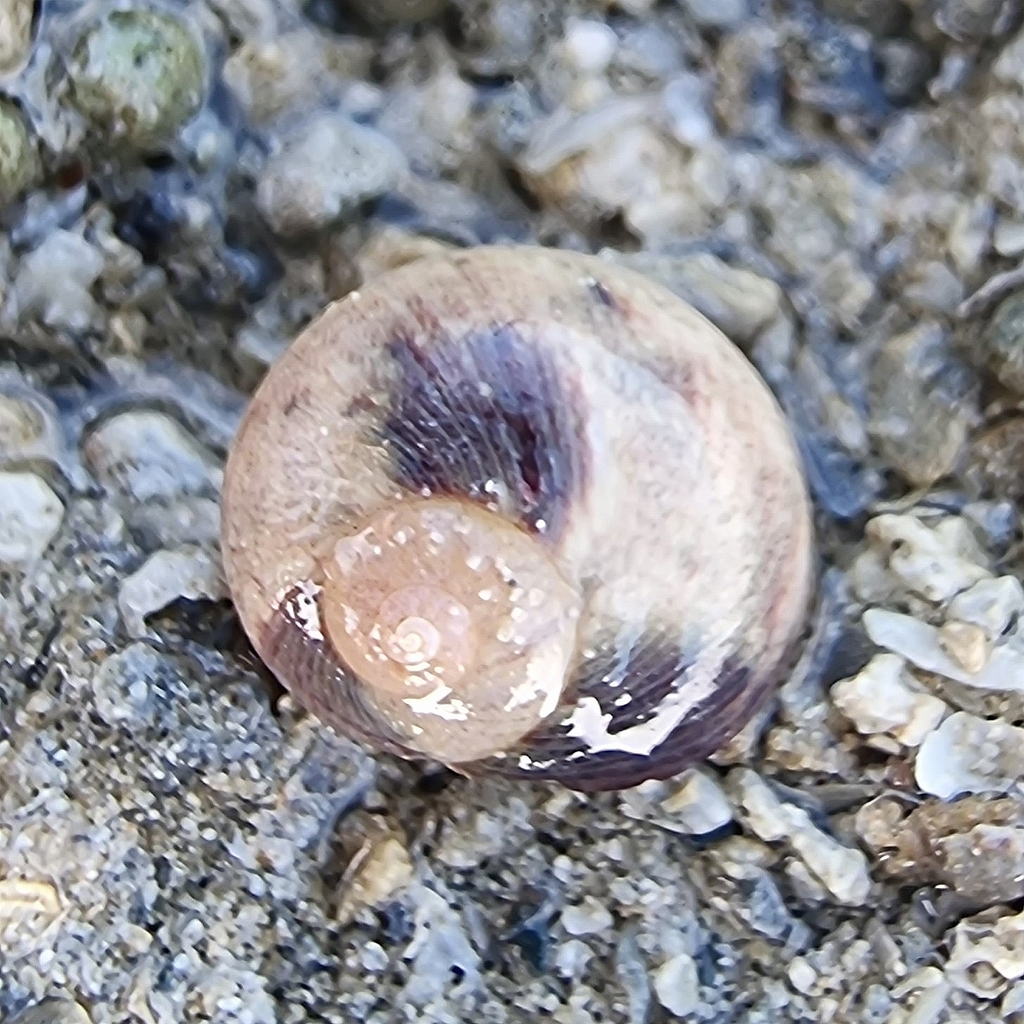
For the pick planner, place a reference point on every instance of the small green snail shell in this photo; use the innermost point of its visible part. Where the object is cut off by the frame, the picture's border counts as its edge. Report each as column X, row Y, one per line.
column 520, row 511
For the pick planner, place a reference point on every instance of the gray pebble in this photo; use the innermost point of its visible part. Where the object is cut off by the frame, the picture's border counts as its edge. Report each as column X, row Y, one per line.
column 398, row 12
column 717, row 13
column 921, row 404
column 188, row 520
column 1002, row 342
column 877, row 16
column 632, row 973
column 146, row 454
column 133, row 686
column 738, row 301
column 29, row 425
column 965, row 20
column 907, row 66
column 322, row 171
column 935, row 288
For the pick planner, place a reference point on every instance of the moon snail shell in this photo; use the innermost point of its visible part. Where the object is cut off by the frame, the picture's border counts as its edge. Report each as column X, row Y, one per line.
column 520, row 511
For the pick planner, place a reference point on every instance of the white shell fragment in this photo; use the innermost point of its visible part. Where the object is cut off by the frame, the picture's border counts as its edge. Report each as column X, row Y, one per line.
column 990, row 604
column 987, row 955
column 967, row 754
column 935, row 562
column 884, row 698
column 922, row 645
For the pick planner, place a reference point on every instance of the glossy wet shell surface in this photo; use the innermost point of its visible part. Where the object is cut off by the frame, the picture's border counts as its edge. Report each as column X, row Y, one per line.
column 604, row 419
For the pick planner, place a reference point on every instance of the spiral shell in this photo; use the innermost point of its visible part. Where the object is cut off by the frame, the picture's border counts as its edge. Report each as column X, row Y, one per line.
column 521, row 511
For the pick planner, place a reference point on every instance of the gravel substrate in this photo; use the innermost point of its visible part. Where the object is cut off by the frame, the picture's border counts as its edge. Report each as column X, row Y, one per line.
column 838, row 185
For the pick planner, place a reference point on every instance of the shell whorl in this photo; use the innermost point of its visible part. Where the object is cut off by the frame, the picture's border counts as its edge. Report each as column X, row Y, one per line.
column 583, row 427
column 451, row 616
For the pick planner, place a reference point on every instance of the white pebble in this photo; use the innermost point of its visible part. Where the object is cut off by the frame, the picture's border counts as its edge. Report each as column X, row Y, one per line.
column 587, row 918
column 698, row 806
column 990, row 604
column 325, row 167
column 164, row 577
column 684, row 101
column 375, row 958
column 802, row 975
column 590, row 45
column 677, row 985
column 30, row 516
column 54, row 281
column 882, row 698
column 1008, row 238
column 572, row 958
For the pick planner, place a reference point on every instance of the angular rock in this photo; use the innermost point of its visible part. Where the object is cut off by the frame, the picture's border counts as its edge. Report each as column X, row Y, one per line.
column 884, row 698
column 936, row 562
column 698, row 807
column 841, row 870
column 164, row 577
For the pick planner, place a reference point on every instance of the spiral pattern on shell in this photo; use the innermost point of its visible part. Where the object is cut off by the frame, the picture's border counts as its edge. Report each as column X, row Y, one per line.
column 522, row 511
